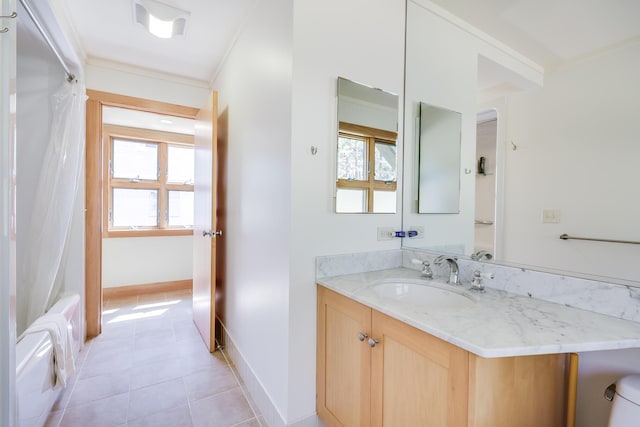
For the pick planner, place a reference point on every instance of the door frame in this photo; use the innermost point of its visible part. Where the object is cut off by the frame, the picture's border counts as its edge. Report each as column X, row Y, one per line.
column 93, row 189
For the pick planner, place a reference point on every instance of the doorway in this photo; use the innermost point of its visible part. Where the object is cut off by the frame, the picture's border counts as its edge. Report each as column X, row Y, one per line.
column 94, row 200
column 486, row 181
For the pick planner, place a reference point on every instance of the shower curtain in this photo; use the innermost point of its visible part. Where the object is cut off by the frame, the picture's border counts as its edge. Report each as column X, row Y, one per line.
column 51, row 219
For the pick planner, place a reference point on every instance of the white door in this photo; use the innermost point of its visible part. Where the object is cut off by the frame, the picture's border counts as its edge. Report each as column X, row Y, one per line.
column 204, row 231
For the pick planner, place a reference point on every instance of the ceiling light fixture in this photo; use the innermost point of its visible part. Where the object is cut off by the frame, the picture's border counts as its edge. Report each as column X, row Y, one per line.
column 160, row 19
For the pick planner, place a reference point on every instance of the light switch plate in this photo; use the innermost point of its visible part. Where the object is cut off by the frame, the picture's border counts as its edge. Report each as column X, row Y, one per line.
column 550, row 216
column 386, row 233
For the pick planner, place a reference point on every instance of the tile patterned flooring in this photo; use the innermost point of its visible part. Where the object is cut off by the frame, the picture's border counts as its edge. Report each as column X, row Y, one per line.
column 150, row 367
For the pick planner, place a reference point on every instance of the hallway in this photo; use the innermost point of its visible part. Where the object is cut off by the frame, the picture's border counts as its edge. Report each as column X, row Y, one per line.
column 150, row 367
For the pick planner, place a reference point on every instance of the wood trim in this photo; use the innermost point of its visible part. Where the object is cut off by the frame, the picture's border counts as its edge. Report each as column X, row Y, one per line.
column 389, row 136
column 148, row 288
column 149, row 233
column 93, row 219
column 93, row 191
column 162, row 140
column 125, row 132
column 130, row 102
column 572, row 389
column 163, row 193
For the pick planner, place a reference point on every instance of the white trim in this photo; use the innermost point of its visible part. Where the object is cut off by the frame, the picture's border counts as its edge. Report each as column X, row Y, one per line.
column 266, row 410
column 465, row 26
column 144, row 72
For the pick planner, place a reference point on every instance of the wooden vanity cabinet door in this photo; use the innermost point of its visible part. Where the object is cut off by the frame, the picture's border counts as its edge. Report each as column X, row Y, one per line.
column 343, row 361
column 527, row 391
column 417, row 379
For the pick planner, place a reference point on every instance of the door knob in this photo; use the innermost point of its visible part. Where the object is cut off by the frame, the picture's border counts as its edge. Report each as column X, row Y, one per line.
column 211, row 233
column 373, row 342
column 362, row 336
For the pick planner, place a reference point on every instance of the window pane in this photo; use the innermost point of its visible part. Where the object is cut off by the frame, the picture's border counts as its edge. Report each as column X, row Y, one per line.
column 384, row 202
column 135, row 208
column 135, row 160
column 386, row 165
column 351, row 201
column 352, row 159
column 180, row 167
column 180, row 208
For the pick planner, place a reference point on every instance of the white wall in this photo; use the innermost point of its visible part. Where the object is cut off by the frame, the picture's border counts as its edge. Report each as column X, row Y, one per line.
column 362, row 41
column 254, row 88
column 596, row 371
column 279, row 86
column 134, row 261
column 577, row 152
column 141, row 260
column 118, row 78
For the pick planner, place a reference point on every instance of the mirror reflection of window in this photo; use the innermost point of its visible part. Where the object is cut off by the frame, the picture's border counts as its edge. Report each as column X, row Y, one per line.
column 367, row 170
column 366, row 178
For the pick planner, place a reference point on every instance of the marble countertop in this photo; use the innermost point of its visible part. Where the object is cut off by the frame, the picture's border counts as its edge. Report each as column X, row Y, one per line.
column 499, row 323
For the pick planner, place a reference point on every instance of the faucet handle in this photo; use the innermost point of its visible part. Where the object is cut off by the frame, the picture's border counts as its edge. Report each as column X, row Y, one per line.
column 426, row 268
column 476, row 283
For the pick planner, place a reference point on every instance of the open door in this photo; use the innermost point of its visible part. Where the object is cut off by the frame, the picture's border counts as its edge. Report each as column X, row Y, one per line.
column 205, row 231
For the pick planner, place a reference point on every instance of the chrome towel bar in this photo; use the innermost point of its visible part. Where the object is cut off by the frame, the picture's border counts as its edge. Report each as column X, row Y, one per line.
column 567, row 237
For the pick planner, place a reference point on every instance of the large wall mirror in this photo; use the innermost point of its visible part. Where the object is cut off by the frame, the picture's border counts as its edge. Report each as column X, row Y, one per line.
column 367, row 163
column 559, row 156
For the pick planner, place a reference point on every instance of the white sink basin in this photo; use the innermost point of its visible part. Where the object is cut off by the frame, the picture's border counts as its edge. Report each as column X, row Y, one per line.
column 423, row 294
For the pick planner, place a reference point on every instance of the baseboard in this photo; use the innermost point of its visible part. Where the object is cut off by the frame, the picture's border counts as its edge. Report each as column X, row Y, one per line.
column 268, row 413
column 147, row 288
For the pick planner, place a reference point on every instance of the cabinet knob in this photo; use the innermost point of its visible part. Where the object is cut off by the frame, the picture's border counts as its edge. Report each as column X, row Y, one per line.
column 362, row 336
column 373, row 342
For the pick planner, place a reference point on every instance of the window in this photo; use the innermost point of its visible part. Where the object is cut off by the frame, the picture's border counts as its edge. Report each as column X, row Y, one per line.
column 148, row 182
column 367, row 170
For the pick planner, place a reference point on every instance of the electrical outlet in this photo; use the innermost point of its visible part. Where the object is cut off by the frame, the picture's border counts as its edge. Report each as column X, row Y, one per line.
column 386, row 233
column 550, row 216
column 419, row 229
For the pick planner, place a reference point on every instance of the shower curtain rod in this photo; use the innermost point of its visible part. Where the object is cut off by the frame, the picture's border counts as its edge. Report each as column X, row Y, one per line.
column 70, row 76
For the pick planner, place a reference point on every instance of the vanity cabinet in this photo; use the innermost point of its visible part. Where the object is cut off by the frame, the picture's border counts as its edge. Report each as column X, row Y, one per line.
column 373, row 370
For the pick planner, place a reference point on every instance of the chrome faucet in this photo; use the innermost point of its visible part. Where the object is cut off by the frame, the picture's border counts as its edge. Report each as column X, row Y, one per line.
column 453, row 267
column 480, row 255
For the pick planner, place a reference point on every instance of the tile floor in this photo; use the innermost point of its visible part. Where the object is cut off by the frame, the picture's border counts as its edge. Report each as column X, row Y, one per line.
column 150, row 367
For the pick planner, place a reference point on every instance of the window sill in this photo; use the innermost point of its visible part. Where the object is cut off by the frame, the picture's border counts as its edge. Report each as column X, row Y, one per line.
column 148, row 233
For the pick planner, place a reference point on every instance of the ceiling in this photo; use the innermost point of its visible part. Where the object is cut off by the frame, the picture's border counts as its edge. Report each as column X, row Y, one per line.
column 551, row 32
column 107, row 31
column 547, row 31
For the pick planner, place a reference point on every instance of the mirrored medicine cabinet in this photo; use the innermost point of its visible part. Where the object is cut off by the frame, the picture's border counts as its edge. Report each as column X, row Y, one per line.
column 438, row 160
column 367, row 154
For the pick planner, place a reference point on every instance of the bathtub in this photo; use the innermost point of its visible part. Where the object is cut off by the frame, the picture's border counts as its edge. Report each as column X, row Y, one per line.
column 36, row 389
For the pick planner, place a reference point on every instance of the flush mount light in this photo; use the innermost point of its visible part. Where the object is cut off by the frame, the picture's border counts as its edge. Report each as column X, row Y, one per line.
column 160, row 19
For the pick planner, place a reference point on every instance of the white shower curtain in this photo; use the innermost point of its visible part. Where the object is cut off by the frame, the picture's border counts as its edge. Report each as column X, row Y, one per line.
column 50, row 222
